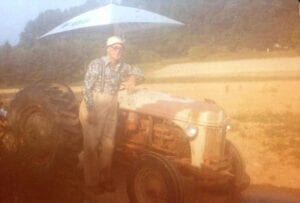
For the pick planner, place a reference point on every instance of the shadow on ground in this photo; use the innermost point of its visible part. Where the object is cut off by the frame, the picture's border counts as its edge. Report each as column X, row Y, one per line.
column 18, row 186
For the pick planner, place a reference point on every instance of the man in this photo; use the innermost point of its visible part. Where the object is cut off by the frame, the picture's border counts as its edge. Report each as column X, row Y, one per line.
column 98, row 112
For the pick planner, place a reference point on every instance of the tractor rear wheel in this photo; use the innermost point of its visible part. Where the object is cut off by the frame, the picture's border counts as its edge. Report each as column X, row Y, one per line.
column 44, row 121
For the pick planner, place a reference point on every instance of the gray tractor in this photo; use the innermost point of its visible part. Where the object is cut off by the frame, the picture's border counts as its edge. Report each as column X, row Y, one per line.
column 162, row 140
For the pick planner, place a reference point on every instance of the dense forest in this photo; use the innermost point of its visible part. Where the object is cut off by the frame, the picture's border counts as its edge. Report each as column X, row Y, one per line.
column 211, row 26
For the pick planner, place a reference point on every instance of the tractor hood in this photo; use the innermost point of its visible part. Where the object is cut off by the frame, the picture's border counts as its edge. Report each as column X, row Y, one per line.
column 183, row 110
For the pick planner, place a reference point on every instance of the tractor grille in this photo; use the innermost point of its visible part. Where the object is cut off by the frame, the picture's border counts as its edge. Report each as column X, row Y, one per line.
column 214, row 144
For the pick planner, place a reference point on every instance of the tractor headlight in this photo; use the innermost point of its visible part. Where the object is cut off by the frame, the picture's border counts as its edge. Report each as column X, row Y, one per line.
column 191, row 131
column 228, row 127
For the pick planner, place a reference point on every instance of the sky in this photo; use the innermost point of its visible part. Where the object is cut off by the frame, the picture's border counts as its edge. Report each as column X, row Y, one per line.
column 14, row 14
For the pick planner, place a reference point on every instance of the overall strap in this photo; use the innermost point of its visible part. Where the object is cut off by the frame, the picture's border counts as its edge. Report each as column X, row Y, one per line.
column 119, row 74
column 102, row 75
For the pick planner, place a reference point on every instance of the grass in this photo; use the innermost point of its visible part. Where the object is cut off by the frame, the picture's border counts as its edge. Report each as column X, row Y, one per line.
column 157, row 65
column 250, row 54
column 218, row 56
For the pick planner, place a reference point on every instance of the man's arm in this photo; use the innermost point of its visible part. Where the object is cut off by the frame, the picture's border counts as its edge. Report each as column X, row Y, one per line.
column 135, row 75
column 131, row 77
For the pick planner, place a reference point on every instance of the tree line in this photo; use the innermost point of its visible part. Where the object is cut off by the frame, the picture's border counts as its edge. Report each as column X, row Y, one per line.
column 210, row 26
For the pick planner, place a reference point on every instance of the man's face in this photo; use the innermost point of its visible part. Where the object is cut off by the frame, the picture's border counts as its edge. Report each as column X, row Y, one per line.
column 115, row 52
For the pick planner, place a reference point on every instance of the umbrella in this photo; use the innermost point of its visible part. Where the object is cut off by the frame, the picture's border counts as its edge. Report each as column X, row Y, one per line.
column 121, row 17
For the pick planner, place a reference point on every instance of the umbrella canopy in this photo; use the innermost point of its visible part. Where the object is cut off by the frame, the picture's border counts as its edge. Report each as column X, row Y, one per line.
column 122, row 17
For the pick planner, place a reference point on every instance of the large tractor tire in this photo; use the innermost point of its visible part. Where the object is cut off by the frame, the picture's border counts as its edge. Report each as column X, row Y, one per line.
column 154, row 179
column 44, row 121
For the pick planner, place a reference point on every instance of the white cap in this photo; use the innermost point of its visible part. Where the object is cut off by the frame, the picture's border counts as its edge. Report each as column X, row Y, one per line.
column 114, row 40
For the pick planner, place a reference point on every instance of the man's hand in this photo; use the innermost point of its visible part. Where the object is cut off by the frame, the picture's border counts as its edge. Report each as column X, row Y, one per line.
column 92, row 117
column 129, row 84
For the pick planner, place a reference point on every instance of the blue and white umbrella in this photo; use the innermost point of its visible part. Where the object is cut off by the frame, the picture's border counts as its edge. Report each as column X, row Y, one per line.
column 121, row 17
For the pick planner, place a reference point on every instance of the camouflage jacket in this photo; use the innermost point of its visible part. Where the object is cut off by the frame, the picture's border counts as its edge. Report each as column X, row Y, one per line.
column 101, row 77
